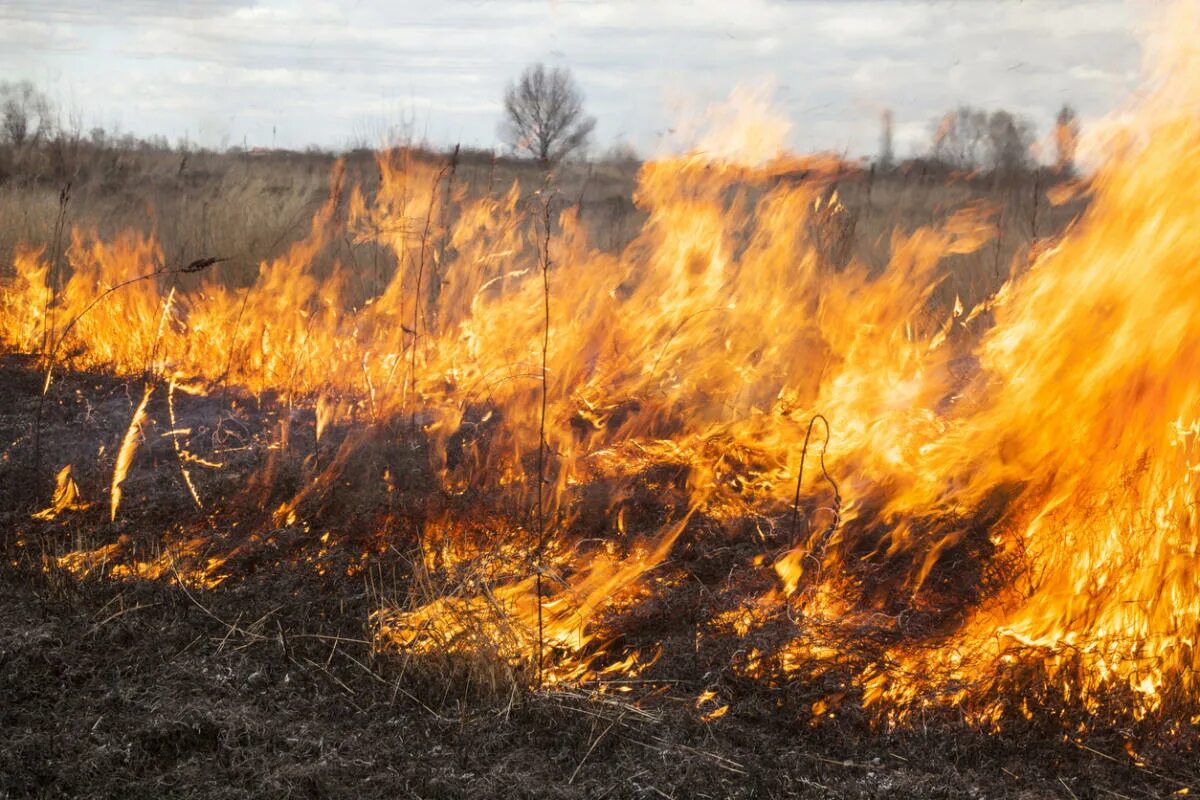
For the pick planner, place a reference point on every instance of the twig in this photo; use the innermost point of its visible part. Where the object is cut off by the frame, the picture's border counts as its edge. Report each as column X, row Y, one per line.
column 232, row 627
column 60, row 222
column 541, row 458
column 846, row 763
column 120, row 613
column 416, row 330
column 179, row 452
column 837, row 497
column 435, row 286
column 336, row 680
column 1147, row 770
column 195, row 266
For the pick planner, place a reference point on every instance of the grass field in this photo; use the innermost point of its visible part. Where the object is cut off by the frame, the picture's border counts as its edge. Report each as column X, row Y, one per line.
column 330, row 528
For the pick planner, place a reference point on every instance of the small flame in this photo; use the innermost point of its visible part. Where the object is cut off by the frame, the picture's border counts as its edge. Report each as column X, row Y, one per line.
column 66, row 496
column 129, row 445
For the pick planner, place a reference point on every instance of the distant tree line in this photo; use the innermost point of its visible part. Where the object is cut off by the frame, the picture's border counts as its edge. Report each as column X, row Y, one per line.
column 39, row 142
column 26, row 115
column 971, row 139
column 543, row 118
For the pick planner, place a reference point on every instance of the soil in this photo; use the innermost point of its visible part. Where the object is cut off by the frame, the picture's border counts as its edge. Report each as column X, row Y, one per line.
column 267, row 685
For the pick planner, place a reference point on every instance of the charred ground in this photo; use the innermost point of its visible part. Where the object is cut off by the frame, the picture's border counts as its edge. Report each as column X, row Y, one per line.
column 269, row 683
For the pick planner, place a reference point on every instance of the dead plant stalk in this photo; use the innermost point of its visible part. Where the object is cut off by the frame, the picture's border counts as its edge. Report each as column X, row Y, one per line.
column 541, row 459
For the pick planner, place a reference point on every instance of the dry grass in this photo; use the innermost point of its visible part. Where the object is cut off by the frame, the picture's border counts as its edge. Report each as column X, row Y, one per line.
column 249, row 209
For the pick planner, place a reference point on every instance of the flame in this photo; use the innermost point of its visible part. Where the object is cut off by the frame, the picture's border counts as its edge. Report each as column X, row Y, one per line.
column 183, row 561
column 66, row 496
column 744, row 130
column 1012, row 467
column 129, row 444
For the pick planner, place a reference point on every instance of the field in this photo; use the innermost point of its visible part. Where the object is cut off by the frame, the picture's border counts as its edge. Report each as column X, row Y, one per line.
column 419, row 474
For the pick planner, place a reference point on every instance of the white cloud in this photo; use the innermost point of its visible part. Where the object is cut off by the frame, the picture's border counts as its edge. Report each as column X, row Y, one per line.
column 317, row 71
column 42, row 35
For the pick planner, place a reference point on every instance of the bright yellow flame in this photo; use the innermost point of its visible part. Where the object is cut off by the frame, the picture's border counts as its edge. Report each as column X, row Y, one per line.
column 66, row 496
column 1042, row 442
column 129, row 444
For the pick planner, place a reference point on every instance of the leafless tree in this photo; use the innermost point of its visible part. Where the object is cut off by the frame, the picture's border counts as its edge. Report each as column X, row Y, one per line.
column 1066, row 139
column 959, row 138
column 971, row 138
column 543, row 114
column 1010, row 142
column 25, row 114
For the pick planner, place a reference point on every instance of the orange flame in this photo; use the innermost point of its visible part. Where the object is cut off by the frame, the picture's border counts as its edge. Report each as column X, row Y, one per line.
column 66, row 496
column 129, row 444
column 1038, row 438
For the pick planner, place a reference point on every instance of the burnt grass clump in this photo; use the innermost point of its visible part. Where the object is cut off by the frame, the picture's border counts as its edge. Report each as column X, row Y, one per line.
column 240, row 660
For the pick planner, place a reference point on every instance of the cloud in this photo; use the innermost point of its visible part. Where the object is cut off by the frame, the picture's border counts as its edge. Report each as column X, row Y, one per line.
column 317, row 71
column 84, row 12
column 41, row 35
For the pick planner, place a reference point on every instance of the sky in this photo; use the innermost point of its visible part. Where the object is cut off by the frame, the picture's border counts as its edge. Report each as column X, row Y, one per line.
column 335, row 74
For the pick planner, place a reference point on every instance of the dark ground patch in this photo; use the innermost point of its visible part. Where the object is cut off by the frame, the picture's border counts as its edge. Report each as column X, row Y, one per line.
column 267, row 686
column 142, row 690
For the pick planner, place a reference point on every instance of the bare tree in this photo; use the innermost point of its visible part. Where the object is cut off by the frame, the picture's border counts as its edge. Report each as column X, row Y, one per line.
column 1066, row 139
column 543, row 114
column 971, row 138
column 959, row 138
column 1010, row 142
column 25, row 114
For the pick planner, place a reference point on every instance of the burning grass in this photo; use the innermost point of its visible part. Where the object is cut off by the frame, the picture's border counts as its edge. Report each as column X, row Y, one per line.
column 581, row 468
column 264, row 674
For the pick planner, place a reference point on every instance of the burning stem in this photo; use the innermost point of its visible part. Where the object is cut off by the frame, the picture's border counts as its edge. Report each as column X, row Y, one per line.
column 128, row 447
column 541, row 457
column 435, row 285
column 196, row 266
column 60, row 223
column 179, row 456
column 416, row 329
column 837, row 496
column 152, row 356
column 237, row 324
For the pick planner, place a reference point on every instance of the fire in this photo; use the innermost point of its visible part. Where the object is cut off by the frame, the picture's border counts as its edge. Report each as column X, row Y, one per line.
column 128, row 447
column 1015, row 473
column 66, row 496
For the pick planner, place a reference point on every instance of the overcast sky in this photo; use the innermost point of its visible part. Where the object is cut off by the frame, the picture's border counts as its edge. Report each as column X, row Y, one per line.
column 328, row 73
